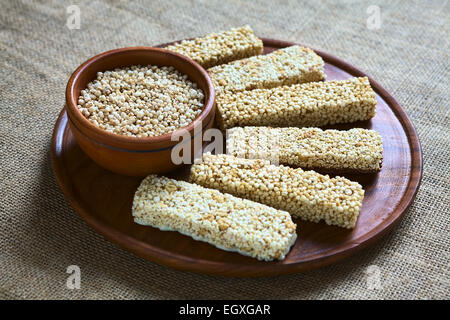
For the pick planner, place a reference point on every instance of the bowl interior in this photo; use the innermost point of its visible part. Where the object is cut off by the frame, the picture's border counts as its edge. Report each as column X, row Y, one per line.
column 126, row 57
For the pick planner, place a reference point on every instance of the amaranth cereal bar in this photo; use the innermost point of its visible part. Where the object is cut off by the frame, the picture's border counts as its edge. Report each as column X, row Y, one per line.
column 227, row 222
column 355, row 150
column 303, row 105
column 219, row 48
column 285, row 66
column 304, row 194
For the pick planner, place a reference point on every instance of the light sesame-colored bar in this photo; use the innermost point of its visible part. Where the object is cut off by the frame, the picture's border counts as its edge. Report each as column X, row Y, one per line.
column 311, row 104
column 219, row 48
column 286, row 66
column 355, row 150
column 304, row 194
column 227, row 222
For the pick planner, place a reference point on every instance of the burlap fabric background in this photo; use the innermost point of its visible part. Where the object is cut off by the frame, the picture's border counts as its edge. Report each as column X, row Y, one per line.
column 40, row 234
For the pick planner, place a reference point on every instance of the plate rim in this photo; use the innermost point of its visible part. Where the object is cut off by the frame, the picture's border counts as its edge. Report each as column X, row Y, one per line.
column 202, row 266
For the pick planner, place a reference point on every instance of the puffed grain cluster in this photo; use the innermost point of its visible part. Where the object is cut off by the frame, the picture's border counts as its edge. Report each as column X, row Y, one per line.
column 219, row 48
column 354, row 150
column 227, row 222
column 141, row 101
column 302, row 105
column 304, row 194
column 286, row 66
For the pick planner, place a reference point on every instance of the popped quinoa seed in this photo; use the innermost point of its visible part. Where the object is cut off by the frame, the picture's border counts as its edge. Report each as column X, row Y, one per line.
column 141, row 101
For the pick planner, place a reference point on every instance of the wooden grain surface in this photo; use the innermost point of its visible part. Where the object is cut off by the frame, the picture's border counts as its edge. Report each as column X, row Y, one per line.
column 103, row 199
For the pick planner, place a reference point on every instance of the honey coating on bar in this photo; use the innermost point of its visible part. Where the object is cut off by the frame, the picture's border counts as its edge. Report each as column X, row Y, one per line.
column 304, row 194
column 225, row 221
column 355, row 150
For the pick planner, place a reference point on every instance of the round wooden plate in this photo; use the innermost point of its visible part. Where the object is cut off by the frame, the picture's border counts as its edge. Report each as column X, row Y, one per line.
column 103, row 199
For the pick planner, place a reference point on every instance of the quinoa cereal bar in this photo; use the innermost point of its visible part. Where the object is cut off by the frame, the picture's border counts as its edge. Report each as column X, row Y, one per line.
column 303, row 105
column 304, row 194
column 219, row 48
column 354, row 150
column 227, row 222
column 141, row 101
column 286, row 66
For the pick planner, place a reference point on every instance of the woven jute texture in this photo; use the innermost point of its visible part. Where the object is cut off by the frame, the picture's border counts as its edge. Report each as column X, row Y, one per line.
column 41, row 235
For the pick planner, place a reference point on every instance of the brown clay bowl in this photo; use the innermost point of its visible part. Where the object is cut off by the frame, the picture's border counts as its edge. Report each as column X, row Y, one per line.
column 126, row 155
